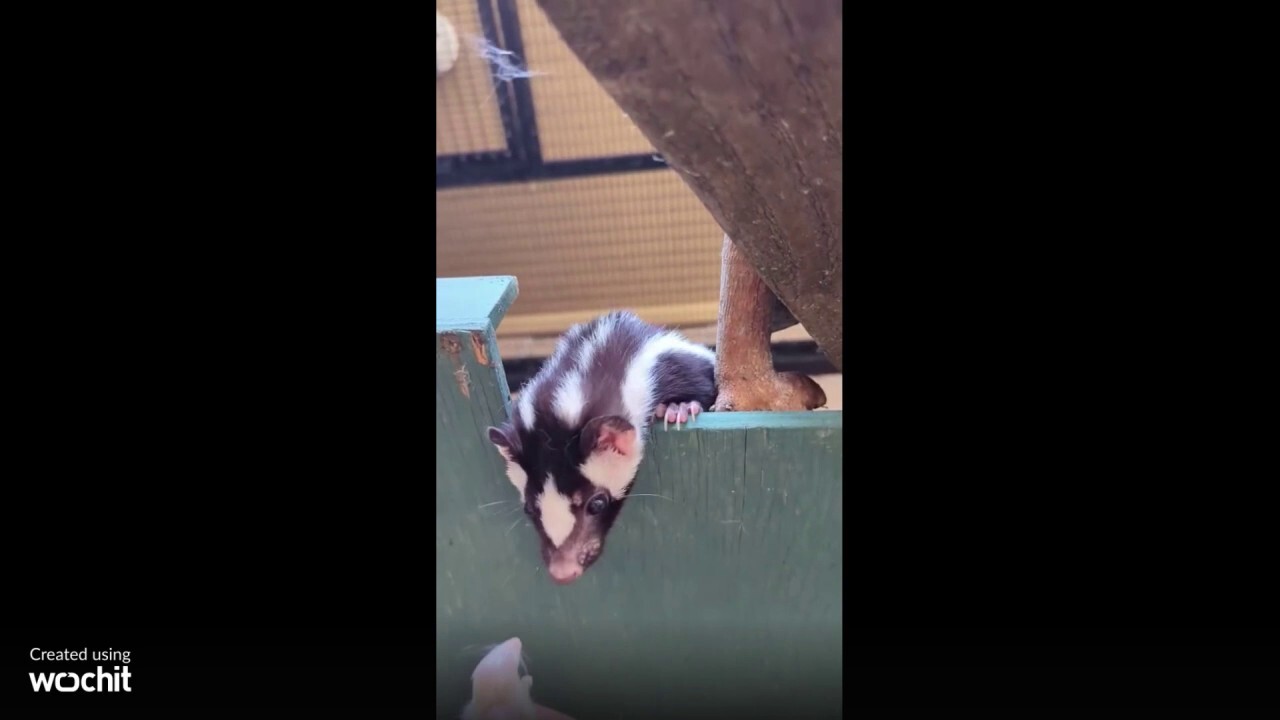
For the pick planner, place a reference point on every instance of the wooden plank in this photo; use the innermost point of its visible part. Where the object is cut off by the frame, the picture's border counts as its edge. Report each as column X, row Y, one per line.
column 473, row 303
column 721, row 596
column 670, row 315
column 471, row 395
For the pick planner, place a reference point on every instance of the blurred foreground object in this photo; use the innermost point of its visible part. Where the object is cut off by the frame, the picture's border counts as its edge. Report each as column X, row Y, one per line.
column 498, row 692
column 446, row 45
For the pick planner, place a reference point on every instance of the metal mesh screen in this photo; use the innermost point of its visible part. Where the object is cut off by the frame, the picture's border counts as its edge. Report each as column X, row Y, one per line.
column 468, row 105
column 576, row 118
column 572, row 201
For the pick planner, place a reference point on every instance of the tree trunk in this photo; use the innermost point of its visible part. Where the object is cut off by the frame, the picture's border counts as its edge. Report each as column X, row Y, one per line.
column 743, row 99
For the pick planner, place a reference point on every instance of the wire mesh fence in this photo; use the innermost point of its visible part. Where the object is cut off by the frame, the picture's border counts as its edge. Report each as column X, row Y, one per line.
column 540, row 175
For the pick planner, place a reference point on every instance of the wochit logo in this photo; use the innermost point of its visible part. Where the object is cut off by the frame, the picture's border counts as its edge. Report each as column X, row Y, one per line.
column 95, row 681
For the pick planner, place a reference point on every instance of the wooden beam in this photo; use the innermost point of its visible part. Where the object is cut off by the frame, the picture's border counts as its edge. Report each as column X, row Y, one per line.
column 743, row 98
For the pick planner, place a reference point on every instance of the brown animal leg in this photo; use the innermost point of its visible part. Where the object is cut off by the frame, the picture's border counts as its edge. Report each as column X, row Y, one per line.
column 744, row 359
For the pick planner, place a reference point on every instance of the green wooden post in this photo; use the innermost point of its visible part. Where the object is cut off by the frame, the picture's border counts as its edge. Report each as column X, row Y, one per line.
column 721, row 596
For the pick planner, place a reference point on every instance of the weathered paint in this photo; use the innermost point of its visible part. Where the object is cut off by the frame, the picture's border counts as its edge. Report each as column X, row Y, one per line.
column 724, row 595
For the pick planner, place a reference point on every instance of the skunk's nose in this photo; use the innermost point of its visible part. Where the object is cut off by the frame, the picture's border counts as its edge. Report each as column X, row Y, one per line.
column 565, row 572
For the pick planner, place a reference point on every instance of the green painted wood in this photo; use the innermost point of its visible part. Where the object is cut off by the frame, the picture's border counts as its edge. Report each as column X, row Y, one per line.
column 473, row 303
column 721, row 596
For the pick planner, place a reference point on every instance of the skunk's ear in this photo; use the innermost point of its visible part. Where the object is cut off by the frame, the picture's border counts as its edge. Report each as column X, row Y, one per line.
column 504, row 438
column 608, row 433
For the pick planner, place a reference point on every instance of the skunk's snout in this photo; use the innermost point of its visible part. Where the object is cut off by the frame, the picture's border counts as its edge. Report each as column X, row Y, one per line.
column 568, row 564
column 565, row 571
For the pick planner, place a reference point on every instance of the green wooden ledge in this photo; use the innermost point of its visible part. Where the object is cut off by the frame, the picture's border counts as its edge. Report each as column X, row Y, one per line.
column 473, row 303
column 719, row 590
column 468, row 311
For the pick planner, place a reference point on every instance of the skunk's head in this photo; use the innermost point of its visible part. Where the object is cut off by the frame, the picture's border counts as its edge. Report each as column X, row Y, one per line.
column 573, row 484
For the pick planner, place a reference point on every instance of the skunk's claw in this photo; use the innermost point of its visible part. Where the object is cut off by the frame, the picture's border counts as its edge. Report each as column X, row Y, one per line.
column 680, row 413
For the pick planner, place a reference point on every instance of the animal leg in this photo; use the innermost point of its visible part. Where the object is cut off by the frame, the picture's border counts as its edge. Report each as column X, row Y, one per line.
column 744, row 359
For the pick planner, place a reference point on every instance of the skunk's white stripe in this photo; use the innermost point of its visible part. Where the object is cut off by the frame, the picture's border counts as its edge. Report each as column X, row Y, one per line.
column 515, row 473
column 557, row 513
column 526, row 405
column 638, row 385
column 570, row 396
column 611, row 471
column 569, row 399
column 614, row 472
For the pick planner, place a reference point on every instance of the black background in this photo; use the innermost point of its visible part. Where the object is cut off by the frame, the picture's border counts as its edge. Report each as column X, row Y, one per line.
column 1027, row 667
column 218, row 281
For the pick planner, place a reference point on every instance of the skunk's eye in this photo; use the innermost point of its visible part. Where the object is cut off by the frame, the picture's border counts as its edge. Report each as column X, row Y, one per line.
column 528, row 510
column 597, row 504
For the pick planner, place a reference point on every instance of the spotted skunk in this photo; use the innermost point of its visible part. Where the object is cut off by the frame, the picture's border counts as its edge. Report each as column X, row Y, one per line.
column 577, row 436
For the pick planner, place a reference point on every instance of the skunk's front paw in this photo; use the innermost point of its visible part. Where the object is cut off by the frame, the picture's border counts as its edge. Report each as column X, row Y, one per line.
column 677, row 413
